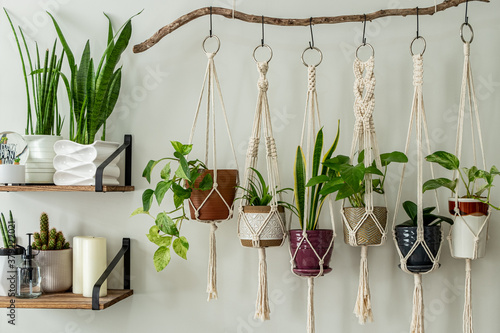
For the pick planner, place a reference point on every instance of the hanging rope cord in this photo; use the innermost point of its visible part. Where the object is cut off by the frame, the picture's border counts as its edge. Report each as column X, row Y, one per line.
column 210, row 84
column 417, row 116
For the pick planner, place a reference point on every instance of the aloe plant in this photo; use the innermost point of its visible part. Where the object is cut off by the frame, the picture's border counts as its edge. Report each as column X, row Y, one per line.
column 311, row 190
column 93, row 92
column 44, row 79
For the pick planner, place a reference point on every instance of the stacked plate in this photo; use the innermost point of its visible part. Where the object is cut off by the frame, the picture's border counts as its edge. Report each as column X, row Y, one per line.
column 76, row 164
column 39, row 167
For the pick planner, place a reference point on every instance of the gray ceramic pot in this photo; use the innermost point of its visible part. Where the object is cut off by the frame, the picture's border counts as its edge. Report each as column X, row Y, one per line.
column 56, row 269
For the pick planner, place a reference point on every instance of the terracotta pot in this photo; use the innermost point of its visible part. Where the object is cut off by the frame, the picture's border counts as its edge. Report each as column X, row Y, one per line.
column 473, row 214
column 419, row 261
column 9, row 259
column 368, row 233
column 56, row 268
column 273, row 232
column 306, row 263
column 215, row 208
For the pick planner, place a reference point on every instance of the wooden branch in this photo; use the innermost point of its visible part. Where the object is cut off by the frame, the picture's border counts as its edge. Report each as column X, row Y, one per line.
column 228, row 13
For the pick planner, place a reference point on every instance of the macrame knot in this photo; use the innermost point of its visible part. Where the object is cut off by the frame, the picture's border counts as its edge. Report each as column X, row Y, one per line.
column 253, row 147
column 476, row 240
column 262, row 67
column 213, row 226
column 352, row 237
column 255, row 240
column 321, row 262
column 311, row 86
column 271, row 147
column 456, row 210
column 466, row 49
column 420, row 235
column 418, row 70
column 210, row 55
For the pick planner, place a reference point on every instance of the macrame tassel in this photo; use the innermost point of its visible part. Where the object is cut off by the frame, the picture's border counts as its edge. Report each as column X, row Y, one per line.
column 262, row 310
column 468, row 298
column 363, row 307
column 310, row 306
column 212, row 264
column 417, row 321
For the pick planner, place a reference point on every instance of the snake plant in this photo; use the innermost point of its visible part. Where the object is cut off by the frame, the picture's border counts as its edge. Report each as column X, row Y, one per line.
column 93, row 92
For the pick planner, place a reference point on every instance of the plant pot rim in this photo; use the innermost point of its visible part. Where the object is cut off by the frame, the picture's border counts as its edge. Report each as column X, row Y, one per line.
column 46, row 251
column 208, row 169
column 452, row 199
column 311, row 230
column 261, row 209
column 365, row 207
column 43, row 135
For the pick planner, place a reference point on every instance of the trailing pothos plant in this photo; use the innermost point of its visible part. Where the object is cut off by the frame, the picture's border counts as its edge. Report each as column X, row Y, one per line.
column 309, row 189
column 166, row 231
column 348, row 180
column 93, row 92
column 258, row 192
column 476, row 182
column 430, row 219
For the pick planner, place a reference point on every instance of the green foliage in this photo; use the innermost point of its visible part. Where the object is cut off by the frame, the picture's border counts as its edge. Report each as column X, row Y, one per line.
column 312, row 189
column 165, row 233
column 48, row 240
column 430, row 219
column 348, row 180
column 8, row 243
column 44, row 79
column 93, row 92
column 475, row 181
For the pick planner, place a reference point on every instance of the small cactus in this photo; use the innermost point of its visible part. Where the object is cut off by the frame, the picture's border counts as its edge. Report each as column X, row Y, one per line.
column 59, row 245
column 48, row 240
column 44, row 247
column 66, row 245
column 44, row 222
column 44, row 237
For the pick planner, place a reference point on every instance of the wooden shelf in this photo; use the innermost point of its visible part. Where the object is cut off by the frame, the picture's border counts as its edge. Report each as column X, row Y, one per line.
column 67, row 300
column 56, row 188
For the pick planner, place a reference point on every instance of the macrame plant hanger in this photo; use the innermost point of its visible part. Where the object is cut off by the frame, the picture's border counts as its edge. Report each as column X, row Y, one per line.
column 468, row 96
column 313, row 123
column 260, row 227
column 366, row 226
column 418, row 117
column 211, row 84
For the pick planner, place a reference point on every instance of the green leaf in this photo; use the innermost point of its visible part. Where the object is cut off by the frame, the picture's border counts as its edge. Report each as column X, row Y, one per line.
column 206, row 183
column 494, row 171
column 180, row 192
column 161, row 258
column 431, row 219
column 344, row 192
column 373, row 170
column 395, row 156
column 181, row 246
column 165, row 172
column 147, row 199
column 161, row 188
column 183, row 169
column 361, row 156
column 149, row 168
column 411, row 210
column 433, row 184
column 154, row 237
column 138, row 211
column 444, row 159
column 353, row 175
column 318, row 146
column 300, row 183
column 317, row 180
column 166, row 224
column 473, row 173
column 181, row 148
column 428, row 210
column 332, row 186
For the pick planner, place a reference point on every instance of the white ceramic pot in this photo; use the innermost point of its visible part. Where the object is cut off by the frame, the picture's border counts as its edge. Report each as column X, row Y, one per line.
column 473, row 215
column 56, row 269
column 12, row 174
column 272, row 234
column 9, row 259
column 76, row 164
column 39, row 167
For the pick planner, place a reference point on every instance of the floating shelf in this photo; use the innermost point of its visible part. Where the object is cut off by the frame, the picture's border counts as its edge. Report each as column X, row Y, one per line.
column 57, row 188
column 67, row 300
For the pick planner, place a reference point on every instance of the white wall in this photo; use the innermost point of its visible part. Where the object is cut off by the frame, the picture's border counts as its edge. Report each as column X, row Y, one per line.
column 157, row 102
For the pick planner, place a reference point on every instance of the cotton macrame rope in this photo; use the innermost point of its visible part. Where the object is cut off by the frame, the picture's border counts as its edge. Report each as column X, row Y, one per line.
column 468, row 97
column 210, row 84
column 262, row 119
column 311, row 122
column 364, row 139
column 417, row 116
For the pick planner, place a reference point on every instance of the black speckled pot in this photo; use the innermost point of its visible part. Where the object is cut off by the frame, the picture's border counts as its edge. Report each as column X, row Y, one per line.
column 418, row 261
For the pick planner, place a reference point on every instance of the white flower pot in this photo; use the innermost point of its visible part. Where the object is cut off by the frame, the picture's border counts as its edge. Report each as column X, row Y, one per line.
column 76, row 164
column 473, row 215
column 12, row 174
column 39, row 167
column 273, row 232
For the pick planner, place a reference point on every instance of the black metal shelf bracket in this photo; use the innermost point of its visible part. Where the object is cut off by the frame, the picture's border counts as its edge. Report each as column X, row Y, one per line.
column 125, row 253
column 127, row 146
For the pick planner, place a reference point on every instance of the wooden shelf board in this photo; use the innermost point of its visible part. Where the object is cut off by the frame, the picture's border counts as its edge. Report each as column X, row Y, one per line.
column 67, row 300
column 57, row 188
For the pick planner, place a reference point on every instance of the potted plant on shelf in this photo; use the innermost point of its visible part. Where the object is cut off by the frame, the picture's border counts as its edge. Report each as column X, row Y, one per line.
column 473, row 207
column 190, row 178
column 349, row 181
column 305, row 255
column 406, row 236
column 43, row 121
column 93, row 91
column 10, row 256
column 55, row 257
column 258, row 197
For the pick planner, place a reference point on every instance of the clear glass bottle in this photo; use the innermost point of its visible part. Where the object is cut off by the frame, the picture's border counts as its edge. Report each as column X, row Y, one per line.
column 29, row 280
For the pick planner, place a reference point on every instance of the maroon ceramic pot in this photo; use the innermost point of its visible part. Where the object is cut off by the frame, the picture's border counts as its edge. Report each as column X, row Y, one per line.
column 306, row 262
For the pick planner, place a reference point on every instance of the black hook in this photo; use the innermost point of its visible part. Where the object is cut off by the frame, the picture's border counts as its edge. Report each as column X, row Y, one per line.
column 210, row 21
column 364, row 30
column 466, row 10
column 418, row 35
column 311, row 43
column 262, row 40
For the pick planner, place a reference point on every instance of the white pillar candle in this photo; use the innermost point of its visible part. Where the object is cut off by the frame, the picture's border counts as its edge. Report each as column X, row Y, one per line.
column 78, row 264
column 94, row 264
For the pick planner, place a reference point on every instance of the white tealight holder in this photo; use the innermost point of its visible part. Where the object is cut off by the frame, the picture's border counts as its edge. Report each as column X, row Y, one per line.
column 14, row 152
column 12, row 174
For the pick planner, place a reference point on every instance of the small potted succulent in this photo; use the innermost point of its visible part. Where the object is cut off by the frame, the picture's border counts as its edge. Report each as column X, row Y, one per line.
column 10, row 256
column 406, row 236
column 258, row 198
column 55, row 257
column 306, row 261
column 348, row 180
column 189, row 180
column 473, row 207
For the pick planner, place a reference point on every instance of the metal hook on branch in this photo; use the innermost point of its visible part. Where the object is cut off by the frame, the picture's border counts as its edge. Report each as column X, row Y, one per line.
column 262, row 40
column 364, row 30
column 311, row 43
column 210, row 21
